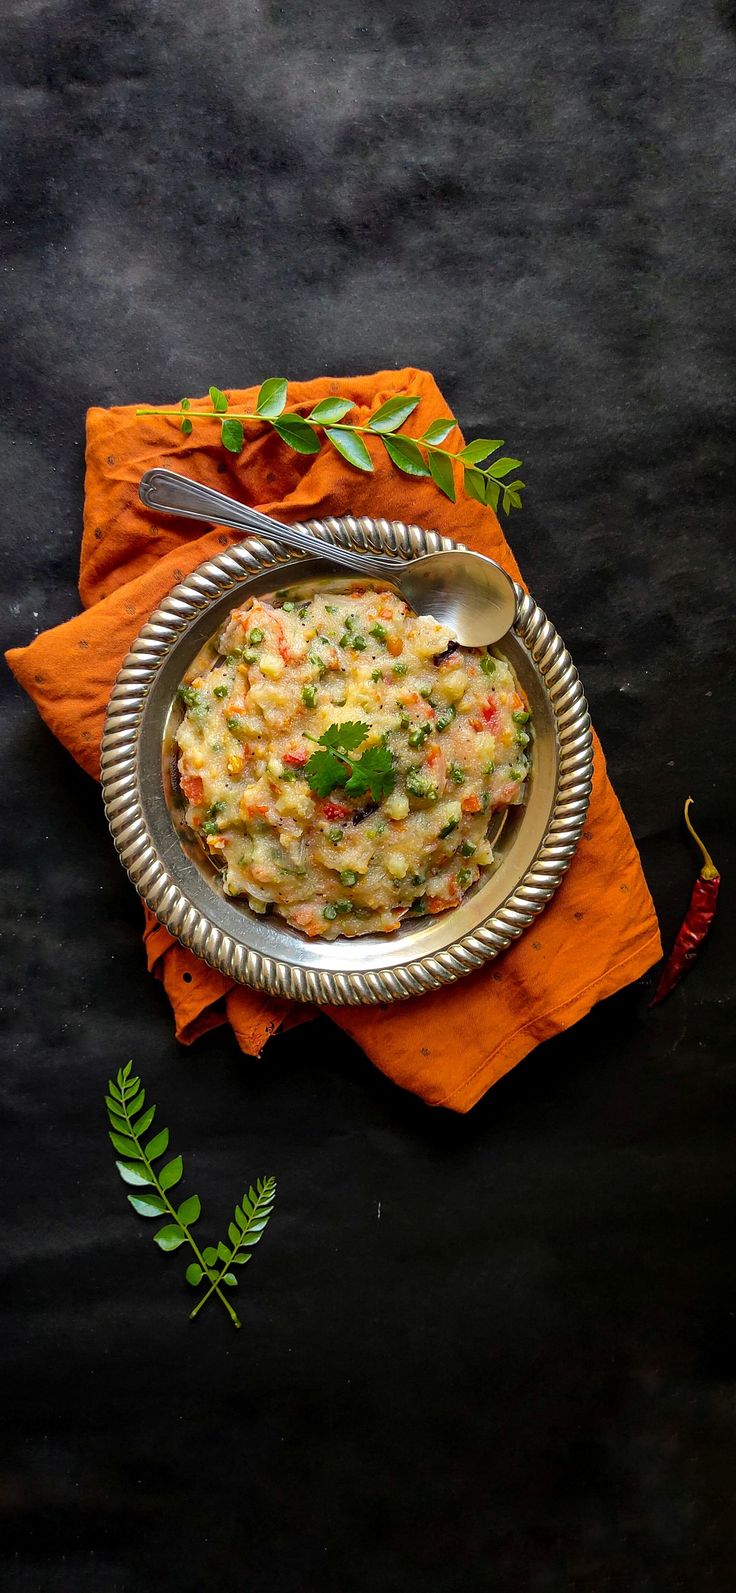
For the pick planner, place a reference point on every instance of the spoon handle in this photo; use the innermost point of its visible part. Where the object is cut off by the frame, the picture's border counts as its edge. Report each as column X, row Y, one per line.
column 175, row 494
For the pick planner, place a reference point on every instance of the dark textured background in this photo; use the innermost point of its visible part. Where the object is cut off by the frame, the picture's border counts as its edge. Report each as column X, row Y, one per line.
column 522, row 1376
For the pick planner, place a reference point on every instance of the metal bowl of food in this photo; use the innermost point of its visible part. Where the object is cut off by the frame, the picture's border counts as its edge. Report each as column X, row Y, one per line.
column 533, row 844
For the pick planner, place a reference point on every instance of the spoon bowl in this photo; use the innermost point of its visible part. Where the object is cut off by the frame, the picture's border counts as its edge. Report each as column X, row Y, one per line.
column 467, row 592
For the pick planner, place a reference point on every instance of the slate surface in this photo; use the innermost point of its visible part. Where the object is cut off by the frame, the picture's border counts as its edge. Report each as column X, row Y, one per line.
column 492, row 1353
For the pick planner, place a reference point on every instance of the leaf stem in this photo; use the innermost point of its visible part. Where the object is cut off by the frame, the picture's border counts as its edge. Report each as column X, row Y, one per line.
column 344, row 756
column 172, row 1212
column 317, row 425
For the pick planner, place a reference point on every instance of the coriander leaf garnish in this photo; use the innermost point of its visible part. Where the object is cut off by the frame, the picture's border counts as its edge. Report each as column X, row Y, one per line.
column 348, row 735
column 415, row 456
column 324, row 771
column 373, row 772
column 125, row 1102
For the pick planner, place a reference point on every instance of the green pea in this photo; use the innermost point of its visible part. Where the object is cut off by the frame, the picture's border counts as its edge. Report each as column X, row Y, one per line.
column 401, row 669
column 255, row 636
column 358, row 644
column 348, row 876
column 288, row 608
column 377, row 674
column 343, row 907
column 521, row 716
column 309, row 696
column 221, row 691
column 335, row 835
column 189, row 696
column 329, row 912
column 418, row 735
column 379, row 631
column 420, row 785
column 446, row 717
column 488, row 664
column 249, row 657
column 425, row 692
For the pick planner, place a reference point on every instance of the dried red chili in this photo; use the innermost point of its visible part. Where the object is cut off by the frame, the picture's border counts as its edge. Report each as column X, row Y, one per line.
column 697, row 921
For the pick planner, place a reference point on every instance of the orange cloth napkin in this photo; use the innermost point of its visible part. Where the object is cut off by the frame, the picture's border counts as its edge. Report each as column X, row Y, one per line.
column 599, row 932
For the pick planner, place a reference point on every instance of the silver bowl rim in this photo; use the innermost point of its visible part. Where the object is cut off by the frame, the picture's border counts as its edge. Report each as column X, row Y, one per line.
column 290, row 980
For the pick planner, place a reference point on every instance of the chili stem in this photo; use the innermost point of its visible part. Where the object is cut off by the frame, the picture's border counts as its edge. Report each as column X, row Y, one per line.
column 709, row 870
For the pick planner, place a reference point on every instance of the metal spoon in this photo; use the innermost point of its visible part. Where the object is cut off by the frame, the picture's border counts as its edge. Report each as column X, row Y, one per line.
column 468, row 593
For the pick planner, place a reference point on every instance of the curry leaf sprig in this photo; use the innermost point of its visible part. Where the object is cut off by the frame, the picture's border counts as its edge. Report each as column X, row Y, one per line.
column 421, row 456
column 251, row 1217
column 130, row 1121
column 333, row 765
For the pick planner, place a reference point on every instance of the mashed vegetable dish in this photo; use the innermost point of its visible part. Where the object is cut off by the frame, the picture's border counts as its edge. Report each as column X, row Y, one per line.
column 341, row 759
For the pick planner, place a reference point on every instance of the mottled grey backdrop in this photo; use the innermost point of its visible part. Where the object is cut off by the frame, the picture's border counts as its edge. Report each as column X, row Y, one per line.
column 522, row 1375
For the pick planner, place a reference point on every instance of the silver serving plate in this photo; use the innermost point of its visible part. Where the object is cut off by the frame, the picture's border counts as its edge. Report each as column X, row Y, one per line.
column 171, row 873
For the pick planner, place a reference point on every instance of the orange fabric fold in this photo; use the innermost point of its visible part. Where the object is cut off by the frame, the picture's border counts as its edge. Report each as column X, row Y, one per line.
column 599, row 932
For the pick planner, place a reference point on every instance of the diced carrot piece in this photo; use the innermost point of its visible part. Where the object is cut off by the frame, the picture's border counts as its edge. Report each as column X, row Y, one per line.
column 307, row 919
column 395, row 646
column 470, row 803
column 193, row 788
column 438, row 904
